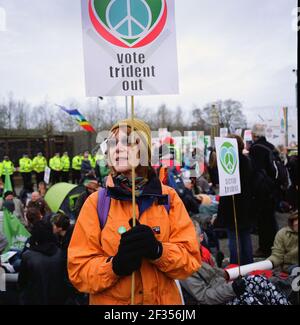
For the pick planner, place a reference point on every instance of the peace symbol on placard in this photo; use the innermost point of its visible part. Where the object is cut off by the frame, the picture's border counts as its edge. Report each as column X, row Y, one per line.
column 128, row 23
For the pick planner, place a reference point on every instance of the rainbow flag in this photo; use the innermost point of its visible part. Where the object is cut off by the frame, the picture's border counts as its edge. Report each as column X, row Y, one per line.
column 79, row 118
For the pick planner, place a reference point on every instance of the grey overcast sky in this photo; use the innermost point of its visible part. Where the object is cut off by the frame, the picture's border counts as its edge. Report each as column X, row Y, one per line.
column 239, row 49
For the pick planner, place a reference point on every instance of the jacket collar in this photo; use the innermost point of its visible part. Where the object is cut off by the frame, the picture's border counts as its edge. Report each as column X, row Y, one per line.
column 260, row 140
column 152, row 193
column 291, row 231
column 263, row 140
column 48, row 249
column 152, row 188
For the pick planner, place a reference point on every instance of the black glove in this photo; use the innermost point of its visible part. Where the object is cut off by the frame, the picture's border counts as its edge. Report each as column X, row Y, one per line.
column 239, row 286
column 142, row 238
column 127, row 260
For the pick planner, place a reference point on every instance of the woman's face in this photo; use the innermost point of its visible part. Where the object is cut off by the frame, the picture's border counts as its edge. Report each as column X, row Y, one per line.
column 121, row 155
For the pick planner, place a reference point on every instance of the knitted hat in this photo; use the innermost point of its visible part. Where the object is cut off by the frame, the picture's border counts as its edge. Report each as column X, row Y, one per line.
column 142, row 129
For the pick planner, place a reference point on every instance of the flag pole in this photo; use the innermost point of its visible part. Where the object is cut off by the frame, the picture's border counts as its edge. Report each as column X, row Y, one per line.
column 133, row 192
column 126, row 106
column 236, row 235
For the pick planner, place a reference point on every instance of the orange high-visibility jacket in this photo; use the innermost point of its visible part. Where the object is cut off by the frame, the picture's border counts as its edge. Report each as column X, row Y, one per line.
column 90, row 247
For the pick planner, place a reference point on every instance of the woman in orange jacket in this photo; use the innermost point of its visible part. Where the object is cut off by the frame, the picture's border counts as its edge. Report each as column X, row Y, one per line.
column 161, row 247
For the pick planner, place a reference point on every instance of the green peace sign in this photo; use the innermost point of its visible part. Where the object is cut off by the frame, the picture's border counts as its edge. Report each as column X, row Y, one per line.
column 228, row 158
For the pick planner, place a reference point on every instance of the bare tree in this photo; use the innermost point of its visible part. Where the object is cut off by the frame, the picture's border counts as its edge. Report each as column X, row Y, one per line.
column 3, row 115
column 145, row 113
column 94, row 112
column 43, row 117
column 198, row 121
column 13, row 113
column 11, row 105
column 22, row 114
column 112, row 112
column 103, row 114
column 178, row 121
column 164, row 117
column 229, row 113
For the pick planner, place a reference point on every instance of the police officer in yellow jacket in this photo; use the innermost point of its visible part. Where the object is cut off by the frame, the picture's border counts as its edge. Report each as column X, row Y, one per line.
column 65, row 165
column 25, row 168
column 39, row 163
column 76, row 167
column 8, row 168
column 92, row 160
column 56, row 168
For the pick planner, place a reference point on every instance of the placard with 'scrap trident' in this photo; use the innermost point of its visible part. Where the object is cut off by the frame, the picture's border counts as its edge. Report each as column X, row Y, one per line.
column 129, row 47
column 228, row 166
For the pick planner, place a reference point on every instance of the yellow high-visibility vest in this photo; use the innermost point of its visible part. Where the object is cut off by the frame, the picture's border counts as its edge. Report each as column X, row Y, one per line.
column 8, row 167
column 55, row 163
column 25, row 165
column 76, row 162
column 39, row 164
column 65, row 163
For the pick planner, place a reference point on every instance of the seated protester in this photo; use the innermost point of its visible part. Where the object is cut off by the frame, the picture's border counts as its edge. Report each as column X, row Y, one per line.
column 190, row 201
column 32, row 216
column 206, row 222
column 64, row 230
column 18, row 206
column 41, row 277
column 91, row 186
column 35, row 196
column 285, row 252
column 210, row 286
column 182, row 185
column 201, row 185
column 206, row 255
column 43, row 207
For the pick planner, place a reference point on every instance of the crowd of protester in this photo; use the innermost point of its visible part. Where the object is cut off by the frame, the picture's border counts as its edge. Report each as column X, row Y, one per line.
column 53, row 271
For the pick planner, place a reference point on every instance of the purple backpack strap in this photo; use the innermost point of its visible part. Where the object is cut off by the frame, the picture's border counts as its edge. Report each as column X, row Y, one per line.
column 103, row 206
